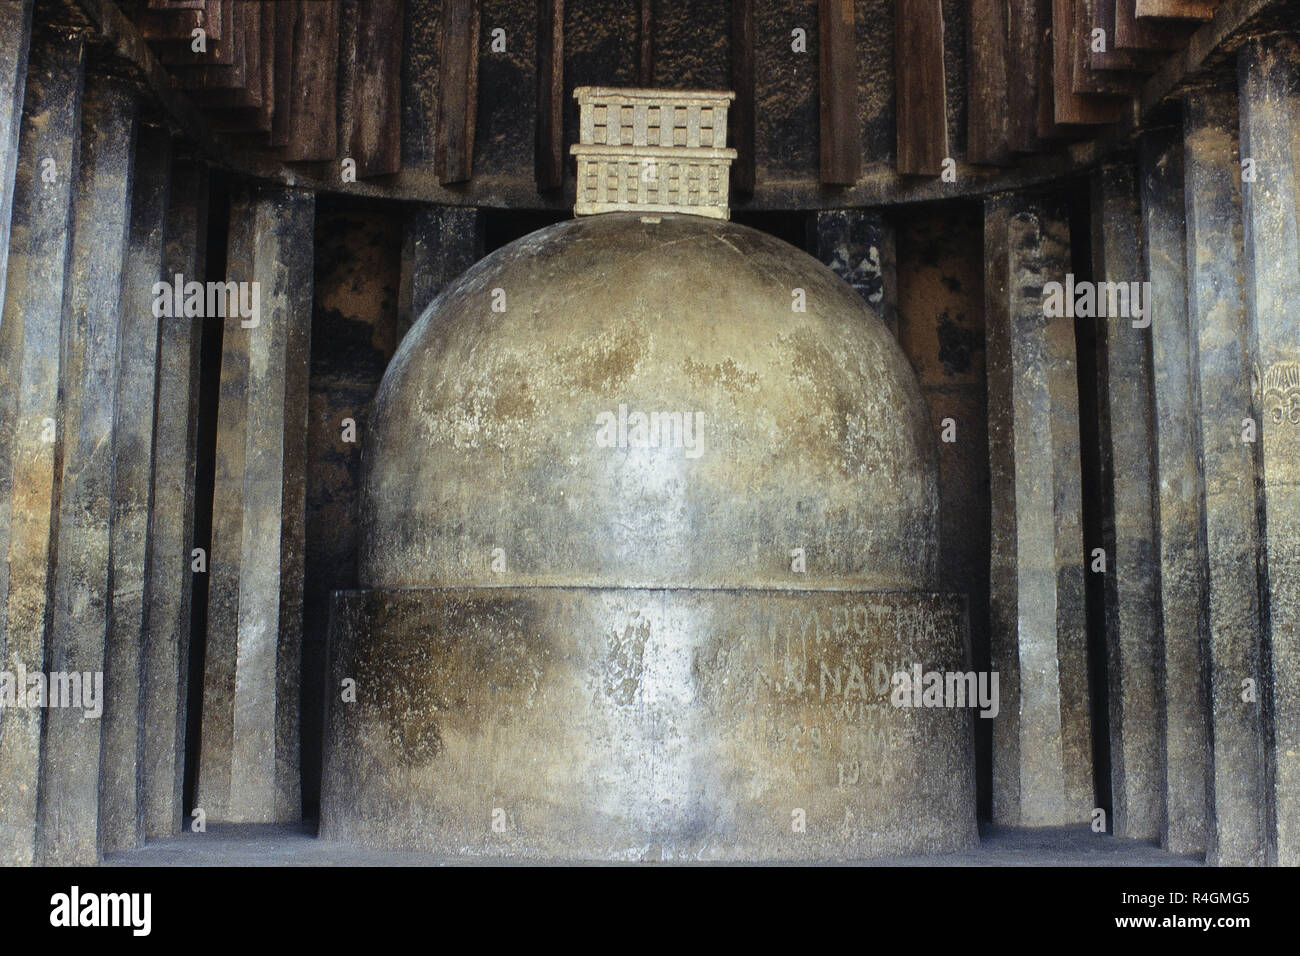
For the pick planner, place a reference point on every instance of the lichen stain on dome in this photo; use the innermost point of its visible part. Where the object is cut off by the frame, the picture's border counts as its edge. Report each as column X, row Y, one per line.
column 606, row 362
column 727, row 375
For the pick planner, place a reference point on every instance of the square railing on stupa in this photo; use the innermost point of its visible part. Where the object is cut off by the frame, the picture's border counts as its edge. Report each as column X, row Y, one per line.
column 653, row 151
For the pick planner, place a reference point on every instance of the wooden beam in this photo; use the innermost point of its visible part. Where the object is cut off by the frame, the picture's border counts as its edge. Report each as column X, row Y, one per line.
column 1103, row 15
column 176, row 27
column 286, row 25
column 247, row 92
column 742, row 113
column 313, row 120
column 217, row 22
column 840, row 144
column 1134, row 34
column 266, row 113
column 1024, row 65
column 646, row 65
column 1069, row 107
column 248, row 109
column 374, row 76
column 230, row 75
column 548, row 156
column 922, row 95
column 1177, row 9
column 988, row 115
column 1047, row 128
column 458, row 90
column 1086, row 78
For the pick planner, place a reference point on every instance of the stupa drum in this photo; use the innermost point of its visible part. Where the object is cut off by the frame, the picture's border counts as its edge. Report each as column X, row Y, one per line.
column 650, row 520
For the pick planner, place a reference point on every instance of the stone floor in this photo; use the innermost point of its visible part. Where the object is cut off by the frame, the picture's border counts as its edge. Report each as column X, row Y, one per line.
column 297, row 845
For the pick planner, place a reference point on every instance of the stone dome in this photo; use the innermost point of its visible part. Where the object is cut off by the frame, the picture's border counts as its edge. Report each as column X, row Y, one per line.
column 521, row 413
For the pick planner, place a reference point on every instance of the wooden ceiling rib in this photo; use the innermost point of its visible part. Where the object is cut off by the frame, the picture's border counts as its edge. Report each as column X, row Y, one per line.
column 177, row 24
column 1040, row 72
column 270, row 72
column 1148, row 33
column 1103, row 15
column 1177, row 9
column 989, row 142
column 1091, row 58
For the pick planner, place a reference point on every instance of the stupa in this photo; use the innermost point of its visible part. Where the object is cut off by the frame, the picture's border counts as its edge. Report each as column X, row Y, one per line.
column 650, row 521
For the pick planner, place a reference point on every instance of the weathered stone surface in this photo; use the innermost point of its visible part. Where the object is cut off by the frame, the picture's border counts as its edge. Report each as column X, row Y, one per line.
column 30, row 333
column 805, row 416
column 1042, row 741
column 70, row 762
column 1222, row 356
column 16, row 31
column 1129, row 507
column 121, row 824
column 662, row 708
column 1270, row 135
column 645, row 724
column 358, row 260
column 171, row 522
column 941, row 331
column 1067, row 523
column 270, row 752
column 218, row 721
column 438, row 244
column 1184, row 699
column 858, row 246
column 250, row 756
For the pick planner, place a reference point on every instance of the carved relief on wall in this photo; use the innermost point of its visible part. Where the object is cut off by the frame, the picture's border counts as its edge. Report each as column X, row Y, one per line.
column 1278, row 392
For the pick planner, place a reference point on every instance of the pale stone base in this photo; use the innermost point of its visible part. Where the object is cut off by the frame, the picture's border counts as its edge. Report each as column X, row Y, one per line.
column 605, row 723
